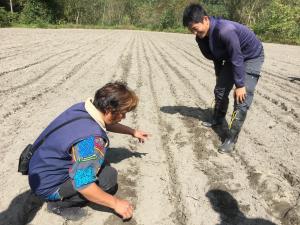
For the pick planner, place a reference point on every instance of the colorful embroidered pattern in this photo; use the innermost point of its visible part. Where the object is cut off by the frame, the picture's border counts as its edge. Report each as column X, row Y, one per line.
column 86, row 147
column 84, row 176
column 99, row 146
column 88, row 156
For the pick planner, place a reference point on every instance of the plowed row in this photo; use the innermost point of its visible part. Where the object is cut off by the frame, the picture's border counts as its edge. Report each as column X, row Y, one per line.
column 177, row 177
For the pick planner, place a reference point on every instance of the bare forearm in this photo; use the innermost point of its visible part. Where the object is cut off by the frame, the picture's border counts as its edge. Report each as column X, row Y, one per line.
column 94, row 194
column 120, row 128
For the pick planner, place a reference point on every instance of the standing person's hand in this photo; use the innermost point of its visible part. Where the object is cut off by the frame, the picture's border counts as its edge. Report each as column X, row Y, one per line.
column 123, row 208
column 240, row 94
column 141, row 135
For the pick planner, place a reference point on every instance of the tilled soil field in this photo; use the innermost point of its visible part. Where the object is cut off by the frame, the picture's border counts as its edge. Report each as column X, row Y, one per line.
column 177, row 177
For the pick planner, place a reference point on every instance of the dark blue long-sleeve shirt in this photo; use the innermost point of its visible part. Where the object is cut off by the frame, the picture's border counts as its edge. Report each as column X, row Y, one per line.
column 232, row 42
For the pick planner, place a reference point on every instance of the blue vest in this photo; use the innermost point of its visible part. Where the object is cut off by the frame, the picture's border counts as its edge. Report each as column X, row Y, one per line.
column 50, row 164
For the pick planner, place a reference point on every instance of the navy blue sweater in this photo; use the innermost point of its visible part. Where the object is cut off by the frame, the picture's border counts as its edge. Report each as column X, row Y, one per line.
column 232, row 42
column 50, row 164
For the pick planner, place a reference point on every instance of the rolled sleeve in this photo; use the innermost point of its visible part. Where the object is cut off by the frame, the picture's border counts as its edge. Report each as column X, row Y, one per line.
column 88, row 156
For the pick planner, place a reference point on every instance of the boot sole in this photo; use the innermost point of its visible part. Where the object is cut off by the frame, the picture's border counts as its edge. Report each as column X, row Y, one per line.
column 207, row 124
column 226, row 152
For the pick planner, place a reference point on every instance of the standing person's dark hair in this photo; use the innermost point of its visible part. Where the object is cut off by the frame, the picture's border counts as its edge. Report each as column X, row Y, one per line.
column 193, row 13
column 237, row 55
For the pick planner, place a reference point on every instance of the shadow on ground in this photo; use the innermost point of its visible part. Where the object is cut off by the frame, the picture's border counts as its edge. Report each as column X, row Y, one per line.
column 199, row 114
column 227, row 207
column 293, row 79
column 21, row 210
column 114, row 219
column 116, row 155
column 25, row 206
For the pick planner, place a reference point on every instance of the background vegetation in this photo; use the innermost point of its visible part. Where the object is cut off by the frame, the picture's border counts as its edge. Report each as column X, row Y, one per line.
column 272, row 20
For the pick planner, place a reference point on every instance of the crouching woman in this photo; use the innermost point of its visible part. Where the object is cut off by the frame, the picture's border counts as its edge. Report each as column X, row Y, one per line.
column 69, row 166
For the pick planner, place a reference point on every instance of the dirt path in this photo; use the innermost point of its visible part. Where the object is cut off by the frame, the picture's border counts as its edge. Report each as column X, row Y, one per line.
column 177, row 177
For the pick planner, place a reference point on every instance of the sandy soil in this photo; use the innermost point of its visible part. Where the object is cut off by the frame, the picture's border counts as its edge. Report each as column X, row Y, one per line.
column 177, row 177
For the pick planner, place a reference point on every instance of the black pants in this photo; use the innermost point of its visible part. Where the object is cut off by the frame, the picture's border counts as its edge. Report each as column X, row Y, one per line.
column 225, row 82
column 107, row 181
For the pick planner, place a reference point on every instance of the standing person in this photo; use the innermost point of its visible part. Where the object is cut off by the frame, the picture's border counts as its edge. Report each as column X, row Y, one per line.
column 237, row 55
column 69, row 166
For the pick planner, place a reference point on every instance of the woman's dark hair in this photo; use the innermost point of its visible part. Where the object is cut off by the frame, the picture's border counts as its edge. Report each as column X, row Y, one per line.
column 193, row 13
column 115, row 97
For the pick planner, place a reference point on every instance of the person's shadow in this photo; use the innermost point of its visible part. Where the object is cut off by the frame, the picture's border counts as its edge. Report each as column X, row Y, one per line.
column 228, row 208
column 25, row 206
column 199, row 114
column 21, row 210
column 116, row 155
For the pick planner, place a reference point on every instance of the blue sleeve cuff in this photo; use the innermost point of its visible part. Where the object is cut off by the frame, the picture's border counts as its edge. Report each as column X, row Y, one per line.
column 83, row 177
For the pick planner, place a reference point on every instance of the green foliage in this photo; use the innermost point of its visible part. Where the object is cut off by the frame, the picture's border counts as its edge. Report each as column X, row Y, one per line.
column 217, row 9
column 271, row 19
column 280, row 21
column 7, row 18
column 167, row 19
column 36, row 12
column 4, row 18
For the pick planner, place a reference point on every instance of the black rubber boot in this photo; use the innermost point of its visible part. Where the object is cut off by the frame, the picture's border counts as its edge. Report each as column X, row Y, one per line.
column 215, row 121
column 237, row 120
column 219, row 114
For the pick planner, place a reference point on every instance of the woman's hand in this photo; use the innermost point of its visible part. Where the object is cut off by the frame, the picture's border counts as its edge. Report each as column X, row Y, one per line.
column 140, row 135
column 123, row 208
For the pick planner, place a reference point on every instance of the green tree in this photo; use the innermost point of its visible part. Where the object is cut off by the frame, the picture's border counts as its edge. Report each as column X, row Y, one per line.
column 4, row 18
column 38, row 12
column 167, row 19
column 280, row 21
